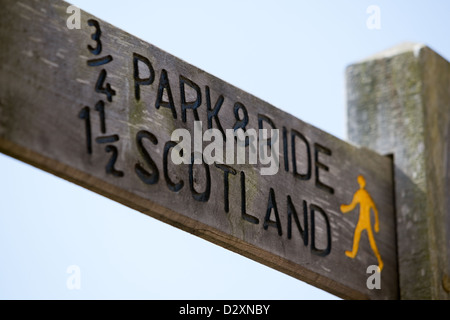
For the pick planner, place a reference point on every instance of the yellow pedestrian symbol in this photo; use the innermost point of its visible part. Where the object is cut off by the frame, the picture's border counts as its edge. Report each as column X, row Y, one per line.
column 363, row 198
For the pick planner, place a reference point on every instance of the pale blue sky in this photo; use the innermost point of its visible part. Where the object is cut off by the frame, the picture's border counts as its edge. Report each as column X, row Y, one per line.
column 292, row 54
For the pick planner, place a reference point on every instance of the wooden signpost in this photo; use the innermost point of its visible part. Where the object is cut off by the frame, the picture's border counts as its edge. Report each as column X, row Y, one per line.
column 99, row 107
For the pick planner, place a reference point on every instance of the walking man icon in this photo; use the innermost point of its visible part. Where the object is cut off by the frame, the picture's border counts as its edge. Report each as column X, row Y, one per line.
column 363, row 198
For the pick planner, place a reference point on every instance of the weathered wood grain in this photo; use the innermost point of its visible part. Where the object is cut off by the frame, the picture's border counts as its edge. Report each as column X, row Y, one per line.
column 51, row 117
column 399, row 103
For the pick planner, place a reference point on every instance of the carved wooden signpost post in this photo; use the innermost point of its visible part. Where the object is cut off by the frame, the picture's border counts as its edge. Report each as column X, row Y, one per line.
column 105, row 110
